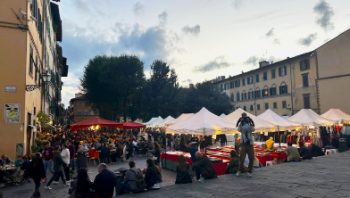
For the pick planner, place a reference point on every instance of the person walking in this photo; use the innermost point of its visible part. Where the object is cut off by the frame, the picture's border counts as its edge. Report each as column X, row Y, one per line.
column 37, row 173
column 104, row 182
column 65, row 154
column 246, row 126
column 58, row 167
column 47, row 156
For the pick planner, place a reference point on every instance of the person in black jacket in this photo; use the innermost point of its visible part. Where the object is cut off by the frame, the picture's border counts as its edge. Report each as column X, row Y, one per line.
column 37, row 173
column 58, row 169
column 303, row 151
column 203, row 167
column 152, row 175
column 104, row 182
column 182, row 172
column 81, row 188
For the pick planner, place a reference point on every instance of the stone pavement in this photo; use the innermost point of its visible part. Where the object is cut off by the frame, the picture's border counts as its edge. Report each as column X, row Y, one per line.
column 327, row 176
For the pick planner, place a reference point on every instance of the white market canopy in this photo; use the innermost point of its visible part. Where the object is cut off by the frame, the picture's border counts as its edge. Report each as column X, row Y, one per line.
column 280, row 122
column 336, row 115
column 167, row 121
column 260, row 124
column 154, row 122
column 182, row 117
column 203, row 122
column 223, row 115
column 308, row 117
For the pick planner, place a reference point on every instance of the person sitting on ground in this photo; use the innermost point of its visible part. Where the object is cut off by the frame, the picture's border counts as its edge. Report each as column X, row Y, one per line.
column 203, row 167
column 152, row 175
column 292, row 153
column 183, row 172
column 81, row 188
column 104, row 182
column 133, row 180
column 303, row 151
column 4, row 160
column 316, row 151
column 269, row 144
column 233, row 165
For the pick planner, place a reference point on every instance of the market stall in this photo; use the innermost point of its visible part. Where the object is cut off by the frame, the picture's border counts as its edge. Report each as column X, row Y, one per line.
column 94, row 123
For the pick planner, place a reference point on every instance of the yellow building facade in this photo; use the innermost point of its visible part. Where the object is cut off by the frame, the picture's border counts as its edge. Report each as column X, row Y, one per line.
column 315, row 80
column 22, row 73
column 333, row 60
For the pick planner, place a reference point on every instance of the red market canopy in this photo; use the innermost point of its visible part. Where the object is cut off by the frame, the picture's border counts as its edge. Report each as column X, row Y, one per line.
column 132, row 125
column 94, row 122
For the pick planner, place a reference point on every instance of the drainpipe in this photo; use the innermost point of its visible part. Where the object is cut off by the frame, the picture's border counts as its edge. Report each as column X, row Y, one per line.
column 291, row 87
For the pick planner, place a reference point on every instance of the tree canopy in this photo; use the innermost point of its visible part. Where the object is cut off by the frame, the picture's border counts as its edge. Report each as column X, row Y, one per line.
column 117, row 86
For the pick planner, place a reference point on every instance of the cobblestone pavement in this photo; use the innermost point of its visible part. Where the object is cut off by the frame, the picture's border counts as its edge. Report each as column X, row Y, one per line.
column 327, row 176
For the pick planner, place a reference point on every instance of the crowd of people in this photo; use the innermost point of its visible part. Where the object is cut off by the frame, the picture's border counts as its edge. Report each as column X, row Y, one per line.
column 64, row 155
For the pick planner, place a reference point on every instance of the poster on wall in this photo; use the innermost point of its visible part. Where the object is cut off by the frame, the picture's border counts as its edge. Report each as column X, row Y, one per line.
column 12, row 114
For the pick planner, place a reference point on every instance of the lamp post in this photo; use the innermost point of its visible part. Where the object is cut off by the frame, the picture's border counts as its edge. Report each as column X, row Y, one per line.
column 46, row 79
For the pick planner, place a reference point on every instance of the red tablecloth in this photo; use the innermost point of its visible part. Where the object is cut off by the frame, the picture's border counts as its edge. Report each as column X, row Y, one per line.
column 220, row 167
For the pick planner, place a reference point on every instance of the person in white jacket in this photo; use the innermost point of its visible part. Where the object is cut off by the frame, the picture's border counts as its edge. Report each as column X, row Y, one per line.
column 65, row 154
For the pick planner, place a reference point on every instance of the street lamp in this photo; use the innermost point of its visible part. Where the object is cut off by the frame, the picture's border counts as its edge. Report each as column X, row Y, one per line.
column 45, row 77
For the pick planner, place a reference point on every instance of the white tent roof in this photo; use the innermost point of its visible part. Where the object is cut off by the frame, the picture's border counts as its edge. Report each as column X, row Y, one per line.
column 309, row 117
column 182, row 117
column 203, row 122
column 277, row 120
column 154, row 122
column 336, row 115
column 260, row 124
column 167, row 121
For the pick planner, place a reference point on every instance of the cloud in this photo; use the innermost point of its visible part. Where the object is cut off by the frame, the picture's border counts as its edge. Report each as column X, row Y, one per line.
column 237, row 4
column 270, row 32
column 138, row 8
column 163, row 18
column 252, row 60
column 276, row 41
column 325, row 14
column 307, row 41
column 217, row 63
column 194, row 30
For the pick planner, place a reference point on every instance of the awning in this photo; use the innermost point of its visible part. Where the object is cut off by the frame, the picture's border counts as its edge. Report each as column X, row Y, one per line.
column 95, row 121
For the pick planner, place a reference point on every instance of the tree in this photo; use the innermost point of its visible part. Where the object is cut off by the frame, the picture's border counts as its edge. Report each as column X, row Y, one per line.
column 204, row 95
column 114, row 84
column 159, row 94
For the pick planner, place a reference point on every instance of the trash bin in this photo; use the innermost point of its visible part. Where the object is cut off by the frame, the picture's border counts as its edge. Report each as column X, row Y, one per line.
column 343, row 146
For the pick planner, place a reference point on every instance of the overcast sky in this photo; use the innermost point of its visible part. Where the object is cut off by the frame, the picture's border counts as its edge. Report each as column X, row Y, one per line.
column 200, row 39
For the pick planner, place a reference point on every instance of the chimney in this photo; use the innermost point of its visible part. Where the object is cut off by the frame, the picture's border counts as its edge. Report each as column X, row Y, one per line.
column 263, row 64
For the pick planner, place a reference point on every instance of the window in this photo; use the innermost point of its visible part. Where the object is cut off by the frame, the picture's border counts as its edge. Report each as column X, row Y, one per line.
column 243, row 81
column 257, row 78
column 265, row 92
column 31, row 61
column 251, row 108
column 248, row 80
column 35, row 8
column 232, row 97
column 249, row 95
column 238, row 98
column 275, row 105
column 225, row 86
column 257, row 93
column 273, row 73
column 283, row 89
column 258, row 107
column 237, row 83
column 306, row 98
column 273, row 90
column 282, row 71
column 266, row 106
column 284, row 104
column 304, row 65
column 244, row 108
column 265, row 75
column 305, row 80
